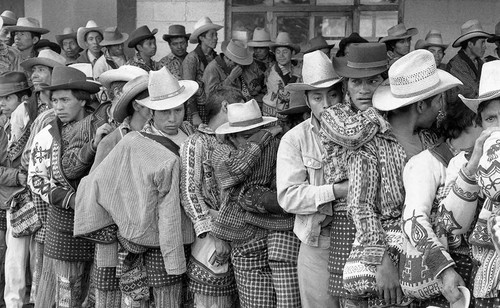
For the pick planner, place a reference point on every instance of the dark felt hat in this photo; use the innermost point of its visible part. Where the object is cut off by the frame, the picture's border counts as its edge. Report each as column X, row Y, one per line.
column 140, row 34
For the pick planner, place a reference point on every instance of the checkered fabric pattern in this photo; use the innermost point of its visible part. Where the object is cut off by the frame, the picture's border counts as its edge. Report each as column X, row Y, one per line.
column 3, row 220
column 155, row 268
column 42, row 210
column 253, row 275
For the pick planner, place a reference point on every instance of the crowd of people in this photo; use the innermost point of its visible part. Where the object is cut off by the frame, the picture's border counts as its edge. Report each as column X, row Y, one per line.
column 266, row 175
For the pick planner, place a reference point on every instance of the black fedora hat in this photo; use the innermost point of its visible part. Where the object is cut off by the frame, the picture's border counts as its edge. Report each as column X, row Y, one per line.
column 364, row 60
column 140, row 34
column 68, row 78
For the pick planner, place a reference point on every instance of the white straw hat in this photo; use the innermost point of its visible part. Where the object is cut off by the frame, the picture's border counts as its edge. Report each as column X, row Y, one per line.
column 489, row 85
column 123, row 73
column 242, row 117
column 412, row 78
column 202, row 25
column 46, row 57
column 317, row 73
column 166, row 92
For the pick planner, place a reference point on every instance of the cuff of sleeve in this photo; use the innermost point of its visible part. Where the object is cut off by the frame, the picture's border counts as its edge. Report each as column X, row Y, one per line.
column 468, row 178
column 202, row 226
column 59, row 197
column 261, row 138
column 67, row 200
column 373, row 255
column 88, row 152
column 438, row 260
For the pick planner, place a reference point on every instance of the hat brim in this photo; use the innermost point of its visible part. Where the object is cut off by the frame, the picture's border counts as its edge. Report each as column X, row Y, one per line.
column 493, row 39
column 7, row 21
column 300, row 86
column 81, row 32
column 166, row 37
column 113, row 75
column 29, row 63
column 89, row 86
column 426, row 45
column 137, row 40
column 384, row 100
column 295, row 110
column 12, row 91
column 27, row 29
column 294, row 47
column 473, row 103
column 341, row 68
column 193, row 38
column 319, row 48
column 246, row 61
column 190, row 88
column 469, row 36
column 121, row 106
column 226, row 128
column 409, row 33
column 60, row 38
column 105, row 43
column 259, row 44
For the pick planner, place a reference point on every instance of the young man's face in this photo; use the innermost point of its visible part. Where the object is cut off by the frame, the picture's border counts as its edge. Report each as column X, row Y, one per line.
column 67, row 107
column 92, row 40
column 116, row 50
column 8, row 104
column 70, row 47
column 283, row 55
column 361, row 90
column 178, row 46
column 260, row 53
column 40, row 74
column 320, row 99
column 169, row 121
column 402, row 47
column 209, row 39
column 479, row 48
column 24, row 40
column 241, row 138
column 438, row 54
column 490, row 116
column 148, row 47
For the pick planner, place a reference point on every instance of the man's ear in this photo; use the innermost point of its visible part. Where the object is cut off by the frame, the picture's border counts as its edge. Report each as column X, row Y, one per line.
column 421, row 105
column 36, row 39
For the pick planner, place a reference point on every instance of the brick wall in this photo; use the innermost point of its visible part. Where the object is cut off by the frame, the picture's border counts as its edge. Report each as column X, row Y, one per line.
column 163, row 13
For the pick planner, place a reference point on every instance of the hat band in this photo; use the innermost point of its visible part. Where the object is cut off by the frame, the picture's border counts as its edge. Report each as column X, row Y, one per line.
column 13, row 86
column 235, row 55
column 322, row 81
column 169, row 95
column 367, row 64
column 246, row 122
column 407, row 95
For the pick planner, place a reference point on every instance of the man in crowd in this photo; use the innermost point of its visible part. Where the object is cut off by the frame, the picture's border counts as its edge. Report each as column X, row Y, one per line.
column 89, row 39
column 144, row 42
column 114, row 55
column 177, row 40
column 69, row 45
column 27, row 33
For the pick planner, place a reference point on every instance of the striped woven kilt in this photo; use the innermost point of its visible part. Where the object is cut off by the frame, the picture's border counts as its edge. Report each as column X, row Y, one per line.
column 341, row 238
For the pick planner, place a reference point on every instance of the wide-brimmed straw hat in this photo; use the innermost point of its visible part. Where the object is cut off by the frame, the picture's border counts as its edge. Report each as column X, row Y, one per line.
column 412, row 78
column 261, row 38
column 68, row 32
column 489, row 85
column 13, row 82
column 317, row 73
column 297, row 104
column 46, row 57
column 351, row 39
column 283, row 40
column 470, row 29
column 123, row 73
column 237, row 52
column 9, row 18
column 433, row 38
column 46, row 43
column 113, row 36
column 166, row 92
column 318, row 43
column 398, row 32
column 364, row 60
column 140, row 34
column 69, row 78
column 176, row 31
column 130, row 90
column 242, row 117
column 82, row 32
column 28, row 24
column 203, row 25
column 495, row 37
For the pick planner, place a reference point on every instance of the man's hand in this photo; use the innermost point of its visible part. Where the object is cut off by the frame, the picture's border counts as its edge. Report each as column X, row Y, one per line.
column 102, row 131
column 388, row 282
column 473, row 162
column 340, row 189
column 450, row 281
column 222, row 249
column 274, row 130
column 235, row 73
column 196, row 119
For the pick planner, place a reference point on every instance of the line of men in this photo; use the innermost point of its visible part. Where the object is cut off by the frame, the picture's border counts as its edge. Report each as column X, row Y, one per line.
column 247, row 179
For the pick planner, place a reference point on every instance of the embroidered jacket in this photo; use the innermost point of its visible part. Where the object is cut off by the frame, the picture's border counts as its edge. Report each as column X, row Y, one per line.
column 10, row 60
column 173, row 63
column 138, row 61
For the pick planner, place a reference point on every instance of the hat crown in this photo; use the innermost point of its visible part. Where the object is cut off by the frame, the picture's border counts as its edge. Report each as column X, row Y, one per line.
column 13, row 81
column 261, row 35
column 8, row 14
column 64, row 75
column 68, row 30
column 317, row 68
column 237, row 51
column 283, row 38
column 179, row 30
column 202, row 22
column 367, row 55
column 397, row 30
column 28, row 22
column 434, row 37
column 240, row 35
column 317, row 41
column 472, row 25
column 162, row 85
column 51, row 55
column 140, row 81
column 84, row 68
column 91, row 24
column 244, row 114
column 413, row 74
column 490, row 78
